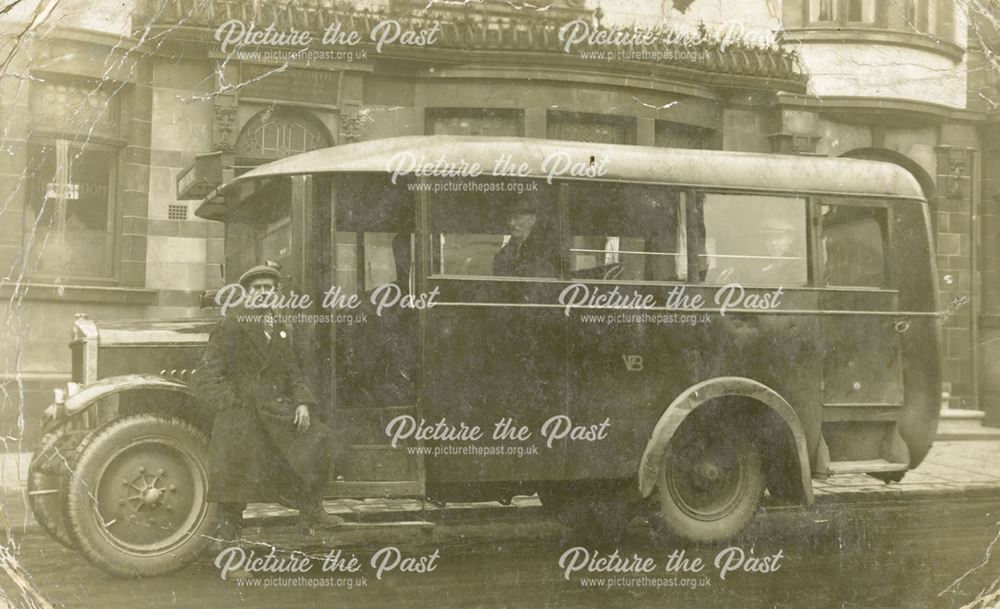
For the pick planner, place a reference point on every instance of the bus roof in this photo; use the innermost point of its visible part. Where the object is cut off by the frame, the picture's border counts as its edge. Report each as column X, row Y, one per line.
column 562, row 159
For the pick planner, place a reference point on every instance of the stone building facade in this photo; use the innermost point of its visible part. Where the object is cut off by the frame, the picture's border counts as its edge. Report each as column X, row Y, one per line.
column 133, row 98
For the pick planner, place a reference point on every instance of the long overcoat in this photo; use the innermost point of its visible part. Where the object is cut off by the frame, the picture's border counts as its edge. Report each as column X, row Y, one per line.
column 254, row 385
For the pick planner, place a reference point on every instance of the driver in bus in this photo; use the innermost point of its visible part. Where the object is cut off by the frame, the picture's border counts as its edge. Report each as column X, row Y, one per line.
column 531, row 249
column 267, row 441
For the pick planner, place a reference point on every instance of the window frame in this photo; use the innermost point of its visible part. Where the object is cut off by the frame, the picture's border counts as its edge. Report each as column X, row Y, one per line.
column 272, row 192
column 554, row 117
column 516, row 115
column 934, row 19
column 842, row 14
column 567, row 238
column 810, row 237
column 889, row 273
column 42, row 133
column 115, row 200
column 359, row 242
column 560, row 217
column 812, row 200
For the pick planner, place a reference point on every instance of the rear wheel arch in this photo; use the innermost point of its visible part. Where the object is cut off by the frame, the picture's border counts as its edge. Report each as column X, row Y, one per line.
column 769, row 418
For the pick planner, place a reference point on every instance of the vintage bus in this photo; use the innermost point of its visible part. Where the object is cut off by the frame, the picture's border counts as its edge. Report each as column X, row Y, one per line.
column 611, row 327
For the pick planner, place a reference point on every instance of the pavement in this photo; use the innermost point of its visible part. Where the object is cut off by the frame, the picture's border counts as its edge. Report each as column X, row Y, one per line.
column 966, row 468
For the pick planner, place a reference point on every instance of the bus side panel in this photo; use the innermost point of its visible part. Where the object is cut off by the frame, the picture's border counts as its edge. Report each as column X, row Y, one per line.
column 913, row 258
column 628, row 372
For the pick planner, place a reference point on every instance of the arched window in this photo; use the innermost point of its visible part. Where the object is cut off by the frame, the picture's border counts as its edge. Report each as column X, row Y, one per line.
column 277, row 133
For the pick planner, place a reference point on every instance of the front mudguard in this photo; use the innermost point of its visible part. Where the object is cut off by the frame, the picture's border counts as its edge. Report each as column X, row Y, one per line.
column 147, row 393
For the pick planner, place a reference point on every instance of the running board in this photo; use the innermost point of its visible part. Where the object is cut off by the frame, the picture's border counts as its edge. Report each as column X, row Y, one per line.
column 865, row 467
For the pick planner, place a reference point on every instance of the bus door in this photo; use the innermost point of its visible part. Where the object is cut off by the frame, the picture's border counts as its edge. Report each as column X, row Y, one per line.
column 862, row 366
column 374, row 337
column 495, row 341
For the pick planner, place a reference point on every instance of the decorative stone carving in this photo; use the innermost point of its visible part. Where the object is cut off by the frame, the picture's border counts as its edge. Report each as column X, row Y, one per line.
column 353, row 126
column 954, row 179
column 222, row 128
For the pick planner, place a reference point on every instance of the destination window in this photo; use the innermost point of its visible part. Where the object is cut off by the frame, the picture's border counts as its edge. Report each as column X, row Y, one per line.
column 626, row 233
column 749, row 239
column 852, row 246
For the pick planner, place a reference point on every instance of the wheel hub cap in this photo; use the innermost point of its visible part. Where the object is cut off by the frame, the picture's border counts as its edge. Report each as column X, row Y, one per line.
column 708, row 472
column 152, row 496
column 146, row 491
column 706, row 479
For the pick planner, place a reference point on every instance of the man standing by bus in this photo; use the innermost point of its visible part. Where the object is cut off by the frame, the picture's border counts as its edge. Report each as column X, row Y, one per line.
column 267, row 441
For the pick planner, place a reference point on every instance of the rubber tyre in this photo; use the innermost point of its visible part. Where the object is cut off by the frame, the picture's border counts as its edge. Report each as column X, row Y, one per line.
column 47, row 473
column 136, row 504
column 711, row 483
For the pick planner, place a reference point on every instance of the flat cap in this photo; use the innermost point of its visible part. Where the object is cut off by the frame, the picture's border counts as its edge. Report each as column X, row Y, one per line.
column 268, row 269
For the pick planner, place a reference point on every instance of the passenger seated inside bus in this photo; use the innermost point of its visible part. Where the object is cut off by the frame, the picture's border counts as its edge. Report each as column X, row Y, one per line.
column 530, row 250
column 752, row 240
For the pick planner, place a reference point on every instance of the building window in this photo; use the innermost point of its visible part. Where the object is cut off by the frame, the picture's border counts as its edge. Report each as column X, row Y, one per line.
column 69, row 223
column 933, row 17
column 861, row 11
column 681, row 135
column 475, row 121
column 843, row 12
column 823, row 11
column 591, row 128
column 70, row 220
column 274, row 134
column 74, row 107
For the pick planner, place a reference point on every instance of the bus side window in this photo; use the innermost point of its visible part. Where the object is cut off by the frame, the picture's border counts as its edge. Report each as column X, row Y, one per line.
column 260, row 233
column 626, row 233
column 506, row 233
column 753, row 240
column 852, row 248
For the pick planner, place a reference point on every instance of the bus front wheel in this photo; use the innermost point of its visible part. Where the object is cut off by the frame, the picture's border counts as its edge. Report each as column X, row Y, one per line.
column 711, row 482
column 136, row 504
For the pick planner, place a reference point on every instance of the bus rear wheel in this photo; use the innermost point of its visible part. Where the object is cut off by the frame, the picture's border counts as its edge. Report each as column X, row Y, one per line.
column 136, row 504
column 711, row 482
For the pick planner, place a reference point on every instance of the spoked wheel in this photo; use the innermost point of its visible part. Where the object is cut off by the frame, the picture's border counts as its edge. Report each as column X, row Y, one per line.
column 50, row 467
column 711, row 482
column 136, row 504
